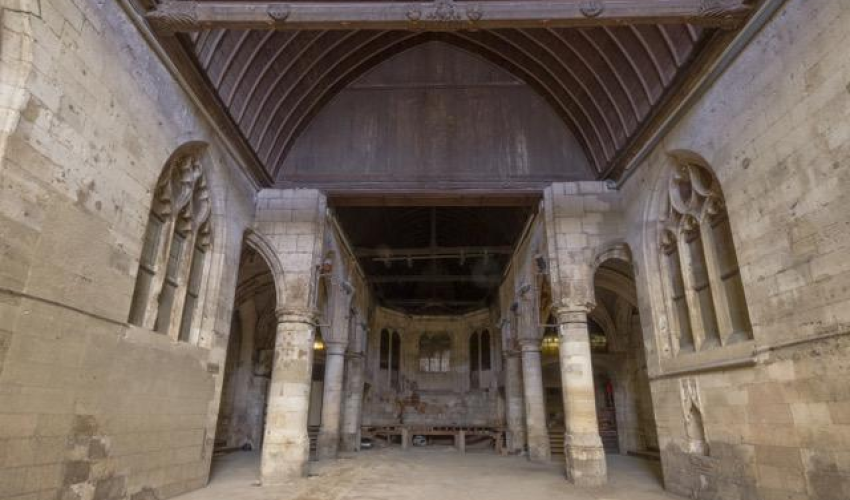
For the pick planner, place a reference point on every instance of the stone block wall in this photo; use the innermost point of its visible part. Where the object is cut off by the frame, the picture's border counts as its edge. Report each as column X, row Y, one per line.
column 90, row 407
column 423, row 398
column 582, row 220
column 774, row 129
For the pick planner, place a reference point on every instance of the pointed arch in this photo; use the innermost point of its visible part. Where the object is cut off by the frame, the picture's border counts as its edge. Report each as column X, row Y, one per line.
column 704, row 288
column 264, row 248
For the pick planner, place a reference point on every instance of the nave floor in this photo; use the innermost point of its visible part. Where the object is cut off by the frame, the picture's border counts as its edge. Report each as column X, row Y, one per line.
column 430, row 474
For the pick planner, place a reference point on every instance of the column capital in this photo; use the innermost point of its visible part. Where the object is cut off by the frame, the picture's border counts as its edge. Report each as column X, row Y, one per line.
column 335, row 347
column 296, row 315
column 529, row 345
column 511, row 353
column 574, row 312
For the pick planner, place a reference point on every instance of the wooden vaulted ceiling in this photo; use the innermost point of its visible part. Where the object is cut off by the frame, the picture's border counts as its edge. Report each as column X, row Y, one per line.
column 602, row 81
column 605, row 81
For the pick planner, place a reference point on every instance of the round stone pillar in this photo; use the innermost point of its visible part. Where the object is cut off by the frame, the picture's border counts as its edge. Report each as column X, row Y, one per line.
column 353, row 402
column 286, row 445
column 328, row 440
column 585, row 457
column 514, row 402
column 535, row 403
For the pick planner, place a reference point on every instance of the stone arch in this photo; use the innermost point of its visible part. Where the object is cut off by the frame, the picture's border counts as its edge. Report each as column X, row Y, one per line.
column 264, row 248
column 704, row 297
column 613, row 250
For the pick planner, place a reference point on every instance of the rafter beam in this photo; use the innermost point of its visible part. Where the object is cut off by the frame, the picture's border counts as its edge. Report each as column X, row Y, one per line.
column 431, row 252
column 173, row 16
column 434, row 302
column 432, row 278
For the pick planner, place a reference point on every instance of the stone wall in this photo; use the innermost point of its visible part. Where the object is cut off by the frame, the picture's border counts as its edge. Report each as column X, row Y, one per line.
column 425, row 398
column 775, row 132
column 91, row 407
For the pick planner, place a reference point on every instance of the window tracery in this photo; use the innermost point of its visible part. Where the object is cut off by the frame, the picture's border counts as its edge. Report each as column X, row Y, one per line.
column 480, row 359
column 177, row 239
column 435, row 353
column 702, row 280
column 390, row 355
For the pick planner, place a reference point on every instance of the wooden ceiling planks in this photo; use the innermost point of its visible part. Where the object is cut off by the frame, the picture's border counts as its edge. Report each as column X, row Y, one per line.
column 602, row 81
column 605, row 81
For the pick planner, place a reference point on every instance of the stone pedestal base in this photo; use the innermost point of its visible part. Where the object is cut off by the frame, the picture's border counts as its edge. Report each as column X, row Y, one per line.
column 284, row 462
column 538, row 448
column 585, row 460
column 327, row 445
column 350, row 442
column 515, row 442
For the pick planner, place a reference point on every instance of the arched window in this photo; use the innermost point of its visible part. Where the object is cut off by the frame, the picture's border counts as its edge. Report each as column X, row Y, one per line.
column 174, row 252
column 680, row 321
column 703, row 284
column 479, row 356
column 474, row 358
column 486, row 360
column 390, row 355
column 395, row 364
column 435, row 352
column 385, row 350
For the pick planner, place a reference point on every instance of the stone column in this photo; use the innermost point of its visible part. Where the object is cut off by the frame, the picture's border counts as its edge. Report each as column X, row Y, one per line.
column 535, row 403
column 353, row 397
column 328, row 441
column 336, row 342
column 514, row 401
column 585, row 457
column 286, row 446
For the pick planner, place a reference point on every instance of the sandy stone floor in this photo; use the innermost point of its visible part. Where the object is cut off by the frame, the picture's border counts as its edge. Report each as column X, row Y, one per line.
column 430, row 474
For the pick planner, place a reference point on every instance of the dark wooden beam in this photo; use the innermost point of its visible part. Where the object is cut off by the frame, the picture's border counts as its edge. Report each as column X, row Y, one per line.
column 465, row 198
column 434, row 302
column 184, row 15
column 445, row 252
column 432, row 278
column 195, row 78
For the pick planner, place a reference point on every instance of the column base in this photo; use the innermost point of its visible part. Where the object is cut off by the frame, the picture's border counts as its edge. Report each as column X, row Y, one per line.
column 585, row 461
column 515, row 443
column 350, row 442
column 538, row 448
column 327, row 446
column 284, row 464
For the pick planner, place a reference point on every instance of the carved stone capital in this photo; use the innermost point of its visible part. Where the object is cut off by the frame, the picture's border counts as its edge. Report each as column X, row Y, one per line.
column 574, row 313
column 297, row 315
column 335, row 347
column 529, row 345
